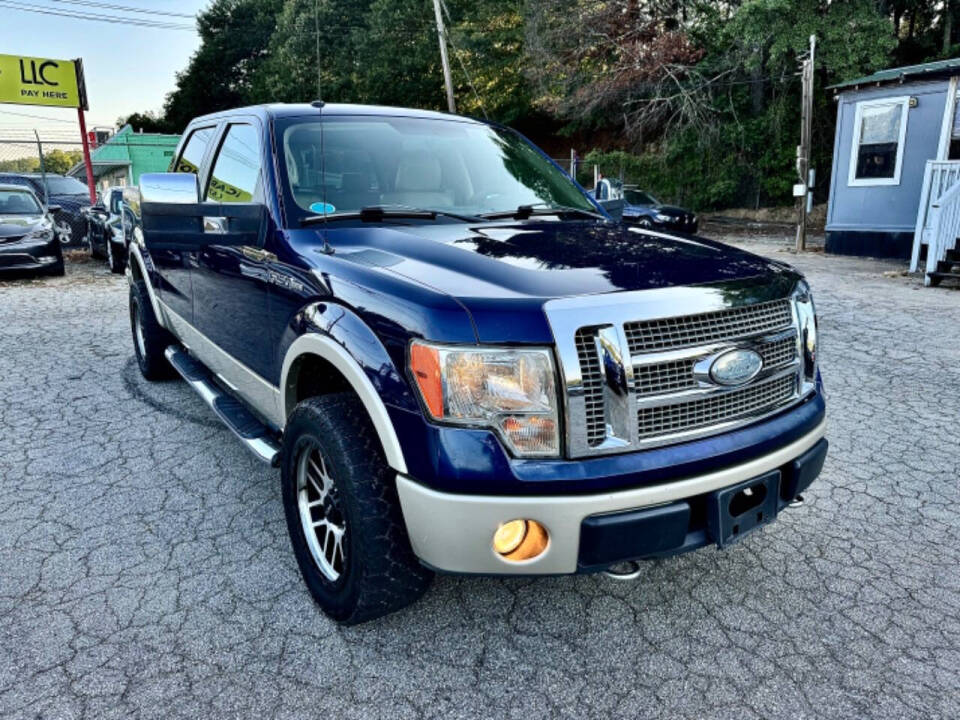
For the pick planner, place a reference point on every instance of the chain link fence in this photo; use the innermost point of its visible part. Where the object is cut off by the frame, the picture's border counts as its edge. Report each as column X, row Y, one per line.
column 40, row 162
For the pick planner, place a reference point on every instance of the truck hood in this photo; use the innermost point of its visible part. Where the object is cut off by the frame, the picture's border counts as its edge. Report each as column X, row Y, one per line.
column 16, row 225
column 503, row 273
column 546, row 259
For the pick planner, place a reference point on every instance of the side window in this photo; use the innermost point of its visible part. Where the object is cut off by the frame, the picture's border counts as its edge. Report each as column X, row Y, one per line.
column 236, row 170
column 115, row 202
column 193, row 152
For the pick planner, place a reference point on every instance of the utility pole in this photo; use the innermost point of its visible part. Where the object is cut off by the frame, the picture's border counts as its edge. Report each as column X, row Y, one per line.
column 447, row 77
column 802, row 189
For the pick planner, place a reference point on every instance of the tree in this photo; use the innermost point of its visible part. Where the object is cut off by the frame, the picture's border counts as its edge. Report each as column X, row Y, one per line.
column 234, row 39
column 59, row 161
column 146, row 122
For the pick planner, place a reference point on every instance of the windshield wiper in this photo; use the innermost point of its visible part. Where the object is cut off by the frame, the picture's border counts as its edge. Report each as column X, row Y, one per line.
column 525, row 212
column 378, row 213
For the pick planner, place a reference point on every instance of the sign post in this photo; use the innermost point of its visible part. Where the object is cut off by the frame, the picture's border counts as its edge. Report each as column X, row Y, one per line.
column 50, row 83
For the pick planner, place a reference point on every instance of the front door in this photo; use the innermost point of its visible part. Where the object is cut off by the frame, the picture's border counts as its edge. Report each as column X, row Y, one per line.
column 173, row 265
column 231, row 281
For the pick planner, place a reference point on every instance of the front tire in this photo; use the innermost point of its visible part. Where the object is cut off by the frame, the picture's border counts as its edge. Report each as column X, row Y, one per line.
column 343, row 513
column 150, row 339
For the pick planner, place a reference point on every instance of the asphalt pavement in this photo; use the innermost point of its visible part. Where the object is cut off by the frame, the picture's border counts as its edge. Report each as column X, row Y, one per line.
column 145, row 569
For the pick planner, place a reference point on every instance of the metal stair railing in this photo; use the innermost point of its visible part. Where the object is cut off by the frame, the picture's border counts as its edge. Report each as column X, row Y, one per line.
column 945, row 222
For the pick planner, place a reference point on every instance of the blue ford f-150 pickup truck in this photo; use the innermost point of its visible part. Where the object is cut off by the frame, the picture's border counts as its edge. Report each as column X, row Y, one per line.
column 458, row 361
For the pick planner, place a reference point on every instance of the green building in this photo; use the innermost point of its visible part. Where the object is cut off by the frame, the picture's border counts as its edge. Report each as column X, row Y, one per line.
column 123, row 158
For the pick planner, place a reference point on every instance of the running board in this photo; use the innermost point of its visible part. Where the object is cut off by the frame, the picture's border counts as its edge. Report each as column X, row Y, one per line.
column 250, row 431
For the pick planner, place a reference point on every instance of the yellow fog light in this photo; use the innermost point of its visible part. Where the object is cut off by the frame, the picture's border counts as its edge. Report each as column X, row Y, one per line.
column 520, row 540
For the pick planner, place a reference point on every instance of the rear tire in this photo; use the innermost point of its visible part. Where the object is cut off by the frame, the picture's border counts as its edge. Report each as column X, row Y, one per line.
column 336, row 485
column 150, row 339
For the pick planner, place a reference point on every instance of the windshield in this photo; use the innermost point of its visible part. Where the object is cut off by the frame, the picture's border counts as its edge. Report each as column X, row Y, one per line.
column 65, row 186
column 638, row 197
column 443, row 165
column 18, row 202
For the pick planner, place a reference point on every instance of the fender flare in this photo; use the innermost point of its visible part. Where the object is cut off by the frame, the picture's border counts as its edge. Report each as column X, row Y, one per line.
column 134, row 252
column 313, row 343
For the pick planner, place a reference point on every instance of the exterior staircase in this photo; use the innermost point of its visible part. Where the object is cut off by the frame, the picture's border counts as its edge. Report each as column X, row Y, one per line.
column 948, row 268
column 938, row 223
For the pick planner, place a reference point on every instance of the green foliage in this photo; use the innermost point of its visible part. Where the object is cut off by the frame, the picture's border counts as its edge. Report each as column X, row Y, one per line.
column 146, row 122
column 59, row 161
column 697, row 101
column 20, row 165
column 56, row 162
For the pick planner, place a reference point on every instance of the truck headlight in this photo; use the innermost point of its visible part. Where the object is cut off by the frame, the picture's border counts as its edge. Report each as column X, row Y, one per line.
column 511, row 390
column 807, row 317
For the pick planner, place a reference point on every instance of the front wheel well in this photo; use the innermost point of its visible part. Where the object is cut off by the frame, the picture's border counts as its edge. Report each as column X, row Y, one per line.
column 312, row 376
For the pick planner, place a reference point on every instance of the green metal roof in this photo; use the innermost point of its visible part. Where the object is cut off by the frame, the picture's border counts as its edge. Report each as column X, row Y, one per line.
column 930, row 69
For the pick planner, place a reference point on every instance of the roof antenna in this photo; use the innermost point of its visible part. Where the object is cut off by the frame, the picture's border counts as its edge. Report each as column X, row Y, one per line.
column 327, row 248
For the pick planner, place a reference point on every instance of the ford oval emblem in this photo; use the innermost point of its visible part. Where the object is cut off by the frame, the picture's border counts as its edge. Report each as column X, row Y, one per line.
column 735, row 367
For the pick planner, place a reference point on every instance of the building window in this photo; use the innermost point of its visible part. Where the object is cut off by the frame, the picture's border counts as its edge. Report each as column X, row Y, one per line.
column 879, row 129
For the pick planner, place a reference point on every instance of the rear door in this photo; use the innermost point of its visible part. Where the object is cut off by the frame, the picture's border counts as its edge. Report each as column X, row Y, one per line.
column 173, row 263
column 231, row 280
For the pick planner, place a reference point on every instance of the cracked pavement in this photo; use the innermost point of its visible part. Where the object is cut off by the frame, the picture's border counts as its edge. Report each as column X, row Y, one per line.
column 145, row 569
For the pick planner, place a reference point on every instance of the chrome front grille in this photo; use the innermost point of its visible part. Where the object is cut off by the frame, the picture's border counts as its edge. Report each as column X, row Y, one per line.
column 689, row 415
column 668, row 333
column 636, row 383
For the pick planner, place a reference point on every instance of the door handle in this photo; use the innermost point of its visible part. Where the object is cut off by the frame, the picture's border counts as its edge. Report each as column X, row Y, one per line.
column 257, row 254
column 215, row 225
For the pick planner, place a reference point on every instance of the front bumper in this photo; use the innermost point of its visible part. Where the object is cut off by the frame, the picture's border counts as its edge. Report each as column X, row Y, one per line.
column 453, row 533
column 29, row 254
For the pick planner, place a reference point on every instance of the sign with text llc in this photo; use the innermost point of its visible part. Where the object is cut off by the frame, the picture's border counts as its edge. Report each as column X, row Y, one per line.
column 42, row 81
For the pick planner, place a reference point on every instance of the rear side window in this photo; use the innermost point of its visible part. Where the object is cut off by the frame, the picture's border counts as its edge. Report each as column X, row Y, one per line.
column 194, row 150
column 236, row 170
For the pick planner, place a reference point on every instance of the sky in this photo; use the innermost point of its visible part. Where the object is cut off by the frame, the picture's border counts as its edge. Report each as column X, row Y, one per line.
column 127, row 68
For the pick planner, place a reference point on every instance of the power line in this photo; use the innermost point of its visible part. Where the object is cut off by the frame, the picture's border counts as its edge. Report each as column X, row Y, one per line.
column 37, row 117
column 115, row 19
column 125, row 8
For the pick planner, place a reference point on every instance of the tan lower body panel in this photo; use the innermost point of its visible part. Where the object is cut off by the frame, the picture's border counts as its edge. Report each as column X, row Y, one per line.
column 454, row 532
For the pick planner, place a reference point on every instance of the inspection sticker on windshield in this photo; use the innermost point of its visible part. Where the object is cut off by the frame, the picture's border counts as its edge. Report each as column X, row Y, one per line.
column 325, row 208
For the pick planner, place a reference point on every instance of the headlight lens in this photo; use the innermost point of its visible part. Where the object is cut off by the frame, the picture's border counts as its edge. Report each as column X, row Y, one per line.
column 807, row 315
column 43, row 232
column 510, row 390
column 660, row 217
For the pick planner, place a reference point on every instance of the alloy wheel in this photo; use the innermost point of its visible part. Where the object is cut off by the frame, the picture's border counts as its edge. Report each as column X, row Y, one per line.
column 323, row 522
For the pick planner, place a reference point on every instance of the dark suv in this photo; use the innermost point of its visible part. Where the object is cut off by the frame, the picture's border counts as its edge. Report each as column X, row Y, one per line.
column 457, row 360
column 67, row 193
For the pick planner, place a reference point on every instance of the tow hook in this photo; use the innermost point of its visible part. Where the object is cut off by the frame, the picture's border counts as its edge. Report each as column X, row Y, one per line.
column 629, row 570
column 797, row 501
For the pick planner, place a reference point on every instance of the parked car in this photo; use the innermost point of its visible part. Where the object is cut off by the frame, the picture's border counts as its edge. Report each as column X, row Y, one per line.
column 67, row 193
column 104, row 229
column 642, row 209
column 28, row 239
column 458, row 361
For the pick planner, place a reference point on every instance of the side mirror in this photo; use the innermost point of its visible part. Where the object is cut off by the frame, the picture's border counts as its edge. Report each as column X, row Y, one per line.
column 170, row 188
column 54, row 208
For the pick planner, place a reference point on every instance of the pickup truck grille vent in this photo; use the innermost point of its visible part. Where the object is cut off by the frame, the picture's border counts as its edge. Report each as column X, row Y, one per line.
column 779, row 352
column 664, row 377
column 585, row 341
column 684, row 416
column 668, row 333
